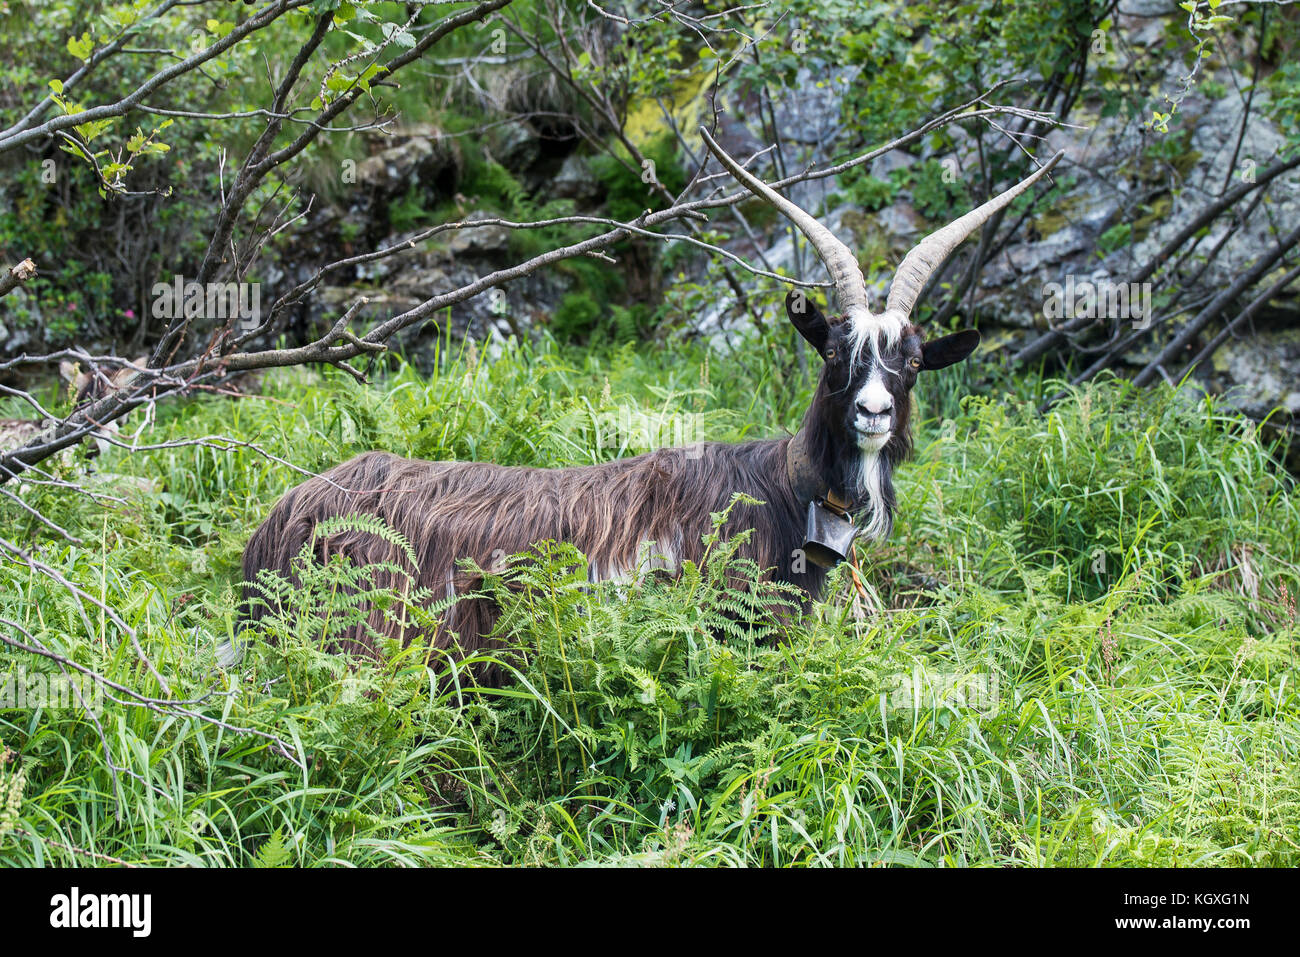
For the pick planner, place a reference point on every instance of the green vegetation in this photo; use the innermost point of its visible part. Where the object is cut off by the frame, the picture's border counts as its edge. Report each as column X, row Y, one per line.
column 1077, row 648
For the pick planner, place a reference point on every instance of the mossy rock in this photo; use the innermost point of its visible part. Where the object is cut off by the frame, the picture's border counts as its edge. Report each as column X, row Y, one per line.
column 870, row 239
column 1159, row 212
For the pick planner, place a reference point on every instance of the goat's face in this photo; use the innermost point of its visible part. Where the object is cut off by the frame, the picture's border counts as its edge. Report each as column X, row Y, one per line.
column 869, row 373
column 857, row 429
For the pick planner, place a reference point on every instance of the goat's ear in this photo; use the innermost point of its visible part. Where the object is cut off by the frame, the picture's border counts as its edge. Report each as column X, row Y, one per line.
column 807, row 318
column 944, row 351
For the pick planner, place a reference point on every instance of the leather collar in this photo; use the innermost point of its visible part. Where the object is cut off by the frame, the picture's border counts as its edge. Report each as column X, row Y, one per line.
column 806, row 479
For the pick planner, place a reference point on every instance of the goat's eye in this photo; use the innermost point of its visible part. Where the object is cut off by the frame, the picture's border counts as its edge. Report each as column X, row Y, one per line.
column 915, row 362
column 830, row 353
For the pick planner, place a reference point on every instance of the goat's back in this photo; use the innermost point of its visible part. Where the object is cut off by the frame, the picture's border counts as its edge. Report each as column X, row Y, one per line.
column 454, row 510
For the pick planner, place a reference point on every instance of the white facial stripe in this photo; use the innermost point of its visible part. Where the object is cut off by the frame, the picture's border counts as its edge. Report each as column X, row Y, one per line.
column 874, row 396
column 883, row 331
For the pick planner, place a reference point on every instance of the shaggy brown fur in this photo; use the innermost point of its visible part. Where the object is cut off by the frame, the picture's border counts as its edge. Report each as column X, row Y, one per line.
column 455, row 510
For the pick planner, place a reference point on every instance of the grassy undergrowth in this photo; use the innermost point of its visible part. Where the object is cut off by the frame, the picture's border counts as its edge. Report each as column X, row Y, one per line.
column 1079, row 647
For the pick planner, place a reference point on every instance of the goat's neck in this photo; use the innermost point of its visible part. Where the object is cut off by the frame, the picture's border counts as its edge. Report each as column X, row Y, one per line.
column 807, row 475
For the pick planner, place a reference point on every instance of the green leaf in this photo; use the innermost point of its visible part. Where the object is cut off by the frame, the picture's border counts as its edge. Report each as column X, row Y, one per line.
column 81, row 48
column 273, row 853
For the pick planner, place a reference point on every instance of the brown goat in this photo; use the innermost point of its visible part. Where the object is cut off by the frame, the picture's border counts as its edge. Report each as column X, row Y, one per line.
column 853, row 435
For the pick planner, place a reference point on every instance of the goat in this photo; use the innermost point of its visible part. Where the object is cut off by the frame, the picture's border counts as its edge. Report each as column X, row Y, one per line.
column 854, row 434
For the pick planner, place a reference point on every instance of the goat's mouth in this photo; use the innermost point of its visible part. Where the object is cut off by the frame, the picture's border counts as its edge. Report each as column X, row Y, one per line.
column 873, row 430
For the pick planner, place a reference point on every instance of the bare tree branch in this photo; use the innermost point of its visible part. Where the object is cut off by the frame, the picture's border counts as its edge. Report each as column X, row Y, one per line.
column 14, row 275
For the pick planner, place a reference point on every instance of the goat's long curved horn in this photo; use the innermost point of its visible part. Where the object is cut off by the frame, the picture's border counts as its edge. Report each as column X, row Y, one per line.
column 928, row 255
column 850, row 287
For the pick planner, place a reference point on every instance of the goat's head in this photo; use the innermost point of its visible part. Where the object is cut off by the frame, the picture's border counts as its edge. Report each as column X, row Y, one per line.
column 857, row 428
column 867, row 377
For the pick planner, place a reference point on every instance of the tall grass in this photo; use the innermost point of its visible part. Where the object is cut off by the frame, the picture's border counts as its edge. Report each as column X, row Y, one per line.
column 1077, row 648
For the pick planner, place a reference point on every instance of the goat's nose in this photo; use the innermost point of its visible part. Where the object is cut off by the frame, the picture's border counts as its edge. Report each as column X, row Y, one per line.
column 875, row 406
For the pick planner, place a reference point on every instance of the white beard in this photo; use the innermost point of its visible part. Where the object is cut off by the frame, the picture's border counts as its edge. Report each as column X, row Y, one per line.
column 871, row 481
